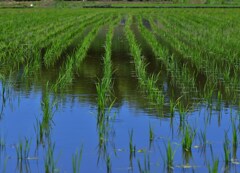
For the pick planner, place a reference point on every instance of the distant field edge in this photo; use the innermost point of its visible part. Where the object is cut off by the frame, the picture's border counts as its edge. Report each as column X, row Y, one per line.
column 109, row 6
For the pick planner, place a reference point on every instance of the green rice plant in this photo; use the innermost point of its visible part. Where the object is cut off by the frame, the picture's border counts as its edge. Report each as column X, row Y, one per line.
column 104, row 86
column 148, row 83
column 76, row 161
column 170, row 156
column 234, row 140
column 187, row 139
column 132, row 147
column 73, row 62
column 56, row 50
column 151, row 134
column 82, row 51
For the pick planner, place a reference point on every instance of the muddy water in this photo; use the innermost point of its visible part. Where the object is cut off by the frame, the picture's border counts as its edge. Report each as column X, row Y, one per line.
column 74, row 124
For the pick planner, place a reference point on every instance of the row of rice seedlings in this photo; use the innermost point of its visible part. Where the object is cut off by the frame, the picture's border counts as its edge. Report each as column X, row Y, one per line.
column 221, row 39
column 148, row 83
column 182, row 76
column 43, row 25
column 50, row 37
column 21, row 52
column 188, row 51
column 200, row 43
column 73, row 62
column 104, row 87
column 104, row 90
column 222, row 68
column 55, row 51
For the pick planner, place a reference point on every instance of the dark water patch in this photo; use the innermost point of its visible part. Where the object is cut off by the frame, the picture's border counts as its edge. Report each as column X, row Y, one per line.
column 124, row 80
column 123, row 21
column 147, row 24
column 153, row 66
column 91, row 66
column 181, row 60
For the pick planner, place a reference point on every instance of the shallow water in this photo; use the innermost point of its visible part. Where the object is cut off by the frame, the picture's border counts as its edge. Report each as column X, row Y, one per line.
column 75, row 126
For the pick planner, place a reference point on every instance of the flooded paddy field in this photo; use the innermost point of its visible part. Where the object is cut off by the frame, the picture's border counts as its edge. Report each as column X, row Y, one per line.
column 119, row 90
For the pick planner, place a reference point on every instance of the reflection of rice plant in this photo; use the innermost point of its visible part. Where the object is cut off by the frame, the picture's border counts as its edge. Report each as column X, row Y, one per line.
column 49, row 162
column 2, row 144
column 76, row 160
column 227, row 152
column 203, row 139
column 146, row 167
column 23, row 149
column 214, row 168
column 109, row 165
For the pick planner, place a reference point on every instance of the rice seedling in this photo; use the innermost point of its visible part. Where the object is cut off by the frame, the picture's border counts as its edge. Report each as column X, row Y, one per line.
column 76, row 161
column 187, row 139
column 151, row 134
column 234, row 140
column 132, row 147
column 170, row 157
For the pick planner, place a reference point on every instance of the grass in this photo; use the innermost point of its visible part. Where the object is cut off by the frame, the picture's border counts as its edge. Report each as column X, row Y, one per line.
column 148, row 82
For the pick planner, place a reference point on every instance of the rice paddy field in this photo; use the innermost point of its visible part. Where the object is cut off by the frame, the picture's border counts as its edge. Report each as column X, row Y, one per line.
column 119, row 90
